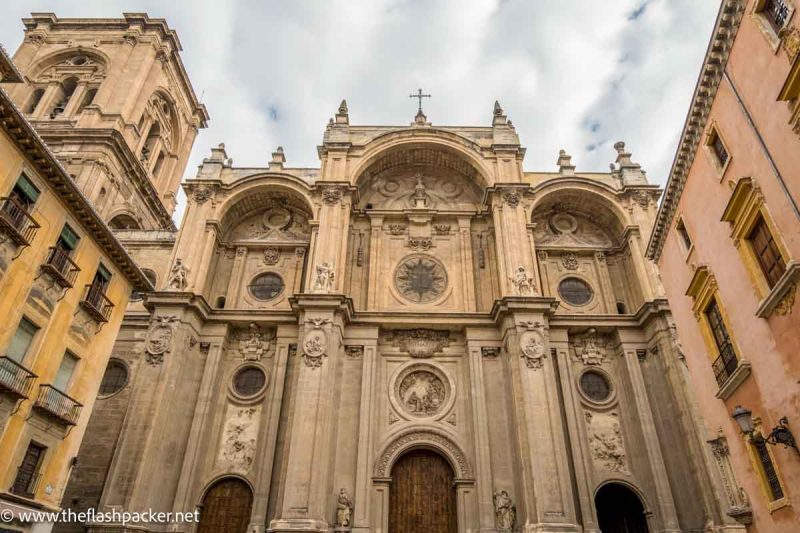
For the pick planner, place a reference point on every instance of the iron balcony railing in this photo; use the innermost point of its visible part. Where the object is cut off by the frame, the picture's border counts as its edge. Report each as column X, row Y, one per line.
column 725, row 365
column 25, row 483
column 58, row 405
column 97, row 303
column 61, row 266
column 15, row 379
column 16, row 220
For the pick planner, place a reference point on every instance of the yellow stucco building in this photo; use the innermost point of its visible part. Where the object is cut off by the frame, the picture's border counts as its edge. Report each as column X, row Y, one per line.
column 65, row 282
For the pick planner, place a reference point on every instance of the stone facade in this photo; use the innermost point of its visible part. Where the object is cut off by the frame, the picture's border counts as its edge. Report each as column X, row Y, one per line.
column 418, row 290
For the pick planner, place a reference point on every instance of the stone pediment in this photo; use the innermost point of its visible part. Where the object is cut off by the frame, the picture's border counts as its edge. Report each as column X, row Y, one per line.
column 567, row 230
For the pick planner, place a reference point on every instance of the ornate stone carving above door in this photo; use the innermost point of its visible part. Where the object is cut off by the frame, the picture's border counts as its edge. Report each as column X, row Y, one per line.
column 605, row 441
column 421, row 391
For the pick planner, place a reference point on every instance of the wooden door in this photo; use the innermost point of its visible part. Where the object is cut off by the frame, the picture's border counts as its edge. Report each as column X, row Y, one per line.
column 226, row 507
column 422, row 496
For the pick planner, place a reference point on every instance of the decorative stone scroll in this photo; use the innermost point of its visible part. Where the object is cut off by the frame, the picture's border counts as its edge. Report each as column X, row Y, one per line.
column 420, row 244
column 158, row 341
column 422, row 437
column 570, row 261
column 421, row 343
column 511, row 198
column 331, row 194
column 201, row 195
column 271, row 256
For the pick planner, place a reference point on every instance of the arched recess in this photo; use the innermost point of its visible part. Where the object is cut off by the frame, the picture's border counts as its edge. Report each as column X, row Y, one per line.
column 124, row 221
column 422, row 438
column 583, row 241
column 620, row 508
column 78, row 73
column 452, row 175
column 226, row 506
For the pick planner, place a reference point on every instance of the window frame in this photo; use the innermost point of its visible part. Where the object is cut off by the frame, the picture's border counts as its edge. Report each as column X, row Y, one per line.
column 34, row 339
column 761, row 474
column 765, row 23
column 713, row 136
column 680, row 222
column 37, row 470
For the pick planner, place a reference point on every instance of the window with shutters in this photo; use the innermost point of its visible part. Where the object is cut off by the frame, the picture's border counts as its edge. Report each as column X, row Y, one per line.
column 22, row 340
column 726, row 362
column 766, row 251
column 769, row 473
column 63, row 378
column 772, row 16
column 686, row 240
column 717, row 149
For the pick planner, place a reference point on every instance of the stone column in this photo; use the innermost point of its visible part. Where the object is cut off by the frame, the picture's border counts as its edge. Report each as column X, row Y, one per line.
column 465, row 247
column 513, row 244
column 375, row 245
column 638, row 260
column 367, row 425
column 330, row 246
column 665, row 504
column 235, row 283
column 480, row 430
column 310, row 438
column 545, row 500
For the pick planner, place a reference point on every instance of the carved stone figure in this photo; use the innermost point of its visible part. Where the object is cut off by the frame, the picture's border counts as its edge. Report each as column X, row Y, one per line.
column 201, row 196
column 344, row 509
column 177, row 276
column 421, row 198
column 523, row 284
column 505, row 512
column 591, row 349
column 605, row 441
column 239, row 439
column 323, row 278
column 331, row 194
column 533, row 351
column 422, row 393
column 315, row 342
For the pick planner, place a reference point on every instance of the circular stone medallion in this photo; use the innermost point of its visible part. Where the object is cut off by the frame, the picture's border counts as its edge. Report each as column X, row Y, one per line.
column 420, row 278
column 421, row 393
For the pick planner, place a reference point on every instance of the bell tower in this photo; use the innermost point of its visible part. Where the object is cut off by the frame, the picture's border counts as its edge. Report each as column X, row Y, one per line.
column 113, row 101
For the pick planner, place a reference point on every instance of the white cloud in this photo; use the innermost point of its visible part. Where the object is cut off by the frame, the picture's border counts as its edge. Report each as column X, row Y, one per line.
column 571, row 74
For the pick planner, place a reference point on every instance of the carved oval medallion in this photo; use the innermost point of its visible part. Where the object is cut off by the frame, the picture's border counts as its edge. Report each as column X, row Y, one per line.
column 420, row 278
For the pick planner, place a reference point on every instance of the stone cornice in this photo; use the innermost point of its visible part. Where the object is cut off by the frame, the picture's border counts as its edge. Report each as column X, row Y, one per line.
column 131, row 166
column 8, row 70
column 725, row 29
column 17, row 127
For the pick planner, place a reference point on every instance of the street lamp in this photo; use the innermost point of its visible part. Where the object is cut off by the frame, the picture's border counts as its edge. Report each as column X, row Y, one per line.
column 780, row 434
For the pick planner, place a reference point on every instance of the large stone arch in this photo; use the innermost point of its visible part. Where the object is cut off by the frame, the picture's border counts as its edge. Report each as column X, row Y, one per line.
column 447, row 142
column 42, row 64
column 420, row 437
column 247, row 197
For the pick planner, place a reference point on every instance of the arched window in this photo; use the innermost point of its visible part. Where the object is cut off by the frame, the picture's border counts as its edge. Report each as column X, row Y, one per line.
column 33, row 101
column 152, row 137
column 88, row 98
column 62, row 100
column 123, row 221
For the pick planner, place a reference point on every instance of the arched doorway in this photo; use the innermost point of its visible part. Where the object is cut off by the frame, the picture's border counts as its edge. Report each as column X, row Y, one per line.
column 619, row 510
column 422, row 495
column 226, row 507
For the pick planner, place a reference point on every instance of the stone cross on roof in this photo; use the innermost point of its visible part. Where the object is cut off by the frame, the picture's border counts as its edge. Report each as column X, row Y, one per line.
column 419, row 96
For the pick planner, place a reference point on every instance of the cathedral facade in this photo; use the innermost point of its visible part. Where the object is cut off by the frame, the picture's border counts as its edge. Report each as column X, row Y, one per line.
column 416, row 336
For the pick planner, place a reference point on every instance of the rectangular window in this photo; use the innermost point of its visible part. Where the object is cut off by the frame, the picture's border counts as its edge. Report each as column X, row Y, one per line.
column 28, row 471
column 25, row 192
column 726, row 362
column 767, row 253
column 65, row 371
column 681, row 228
column 102, row 277
column 22, row 340
column 68, row 240
column 768, row 469
column 719, row 150
column 776, row 12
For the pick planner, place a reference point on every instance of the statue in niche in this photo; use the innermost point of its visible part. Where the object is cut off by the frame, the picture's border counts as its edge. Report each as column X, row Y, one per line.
column 344, row 509
column 323, row 278
column 177, row 276
column 505, row 512
column 420, row 197
column 523, row 285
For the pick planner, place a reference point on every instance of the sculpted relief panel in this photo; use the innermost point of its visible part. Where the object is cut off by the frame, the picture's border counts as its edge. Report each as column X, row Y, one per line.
column 277, row 219
column 564, row 229
column 238, row 446
column 421, row 393
column 404, row 189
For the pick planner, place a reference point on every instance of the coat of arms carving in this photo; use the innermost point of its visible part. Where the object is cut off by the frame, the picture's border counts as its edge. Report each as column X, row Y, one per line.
column 159, row 339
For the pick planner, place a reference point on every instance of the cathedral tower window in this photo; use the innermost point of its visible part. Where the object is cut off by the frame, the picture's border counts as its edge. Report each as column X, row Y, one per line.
column 66, row 90
column 249, row 381
column 266, row 286
column 87, row 100
column 33, row 101
column 575, row 291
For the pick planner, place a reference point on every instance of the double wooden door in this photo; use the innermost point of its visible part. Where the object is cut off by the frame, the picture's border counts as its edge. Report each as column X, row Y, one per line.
column 422, row 495
column 226, row 507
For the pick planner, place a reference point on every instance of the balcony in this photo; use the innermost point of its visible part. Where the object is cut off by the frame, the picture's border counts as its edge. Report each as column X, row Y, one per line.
column 61, row 267
column 15, row 219
column 15, row 379
column 725, row 365
column 96, row 303
column 55, row 404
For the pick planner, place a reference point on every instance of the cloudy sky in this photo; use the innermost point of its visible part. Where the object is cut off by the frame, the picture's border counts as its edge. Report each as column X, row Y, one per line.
column 572, row 74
